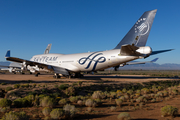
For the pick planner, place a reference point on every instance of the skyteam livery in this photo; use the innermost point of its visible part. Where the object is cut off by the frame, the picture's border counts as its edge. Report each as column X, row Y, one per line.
column 131, row 47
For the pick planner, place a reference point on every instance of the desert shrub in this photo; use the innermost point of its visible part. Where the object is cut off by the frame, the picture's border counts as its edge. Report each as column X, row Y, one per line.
column 160, row 88
column 124, row 116
column 124, row 90
column 80, row 83
column 21, row 102
column 46, row 111
column 30, row 98
column 113, row 108
column 73, row 99
column 36, row 101
column 165, row 93
column 25, row 85
column 122, row 98
column 89, row 109
column 8, row 88
column 175, row 92
column 63, row 86
column 42, row 96
column 62, row 101
column 69, row 110
column 98, row 102
column 56, row 94
column 31, row 93
column 47, row 118
column 16, row 86
column 97, row 95
column 119, row 93
column 3, row 83
column 56, row 86
column 113, row 94
column 15, row 116
column 47, row 102
column 90, row 103
column 34, row 85
column 119, row 102
column 4, row 109
column 153, row 100
column 126, row 97
column 56, row 113
column 145, row 90
column 80, row 102
column 5, row 102
column 70, row 91
column 169, row 111
column 130, row 92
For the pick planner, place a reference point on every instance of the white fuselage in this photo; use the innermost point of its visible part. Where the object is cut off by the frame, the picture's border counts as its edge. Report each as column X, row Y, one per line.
column 91, row 61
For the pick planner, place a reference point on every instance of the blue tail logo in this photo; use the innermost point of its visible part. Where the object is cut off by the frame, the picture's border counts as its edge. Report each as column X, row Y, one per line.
column 94, row 55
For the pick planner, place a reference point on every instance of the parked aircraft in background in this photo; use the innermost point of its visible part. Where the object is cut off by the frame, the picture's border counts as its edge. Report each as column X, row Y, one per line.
column 130, row 48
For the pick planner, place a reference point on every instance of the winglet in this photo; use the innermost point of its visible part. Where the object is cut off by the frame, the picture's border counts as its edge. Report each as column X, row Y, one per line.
column 154, row 60
column 7, row 54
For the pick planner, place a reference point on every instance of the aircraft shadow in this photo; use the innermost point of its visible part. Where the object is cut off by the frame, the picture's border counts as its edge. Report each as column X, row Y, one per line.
column 100, row 77
column 88, row 116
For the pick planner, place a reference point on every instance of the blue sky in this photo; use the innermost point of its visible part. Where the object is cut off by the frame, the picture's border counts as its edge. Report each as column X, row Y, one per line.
column 75, row 26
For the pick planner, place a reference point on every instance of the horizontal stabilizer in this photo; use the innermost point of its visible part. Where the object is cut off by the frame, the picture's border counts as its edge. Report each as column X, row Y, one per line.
column 154, row 60
column 135, row 63
column 160, row 51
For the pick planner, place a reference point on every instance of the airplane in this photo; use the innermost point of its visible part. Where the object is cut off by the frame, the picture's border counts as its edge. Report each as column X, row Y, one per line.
column 130, row 48
column 15, row 67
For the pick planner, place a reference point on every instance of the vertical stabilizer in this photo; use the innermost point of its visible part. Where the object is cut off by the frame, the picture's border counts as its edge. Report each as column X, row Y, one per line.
column 8, row 54
column 47, row 49
column 139, row 33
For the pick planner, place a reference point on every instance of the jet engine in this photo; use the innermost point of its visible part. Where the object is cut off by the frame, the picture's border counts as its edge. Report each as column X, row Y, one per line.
column 144, row 50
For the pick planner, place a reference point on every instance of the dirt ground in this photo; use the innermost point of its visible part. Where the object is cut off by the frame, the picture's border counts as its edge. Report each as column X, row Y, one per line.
column 150, row 112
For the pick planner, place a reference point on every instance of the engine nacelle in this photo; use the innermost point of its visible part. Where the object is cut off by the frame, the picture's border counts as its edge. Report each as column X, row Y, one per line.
column 144, row 50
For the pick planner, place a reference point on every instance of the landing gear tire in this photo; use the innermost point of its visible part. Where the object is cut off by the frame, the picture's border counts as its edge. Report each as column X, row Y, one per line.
column 56, row 76
column 36, row 74
column 78, row 75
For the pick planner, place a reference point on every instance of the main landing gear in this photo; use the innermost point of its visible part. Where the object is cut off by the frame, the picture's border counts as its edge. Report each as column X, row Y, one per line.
column 75, row 75
column 56, row 75
column 78, row 75
column 36, row 74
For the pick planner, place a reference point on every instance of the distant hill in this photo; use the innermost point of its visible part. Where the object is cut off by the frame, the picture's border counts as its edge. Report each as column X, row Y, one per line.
column 152, row 66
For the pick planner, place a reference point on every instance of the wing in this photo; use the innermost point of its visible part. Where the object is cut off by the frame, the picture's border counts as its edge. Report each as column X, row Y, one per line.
column 134, row 63
column 56, row 69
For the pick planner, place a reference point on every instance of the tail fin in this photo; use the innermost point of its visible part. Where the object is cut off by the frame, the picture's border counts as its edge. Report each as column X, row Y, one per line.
column 139, row 33
column 47, row 49
column 8, row 53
